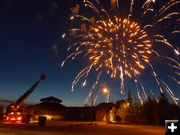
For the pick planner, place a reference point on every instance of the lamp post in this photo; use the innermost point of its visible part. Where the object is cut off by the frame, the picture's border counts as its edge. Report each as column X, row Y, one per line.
column 92, row 105
column 106, row 91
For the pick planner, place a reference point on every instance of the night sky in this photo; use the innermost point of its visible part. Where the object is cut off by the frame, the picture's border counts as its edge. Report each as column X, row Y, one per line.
column 31, row 44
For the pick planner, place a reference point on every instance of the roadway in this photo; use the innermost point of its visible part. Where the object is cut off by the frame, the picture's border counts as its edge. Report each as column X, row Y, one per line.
column 78, row 128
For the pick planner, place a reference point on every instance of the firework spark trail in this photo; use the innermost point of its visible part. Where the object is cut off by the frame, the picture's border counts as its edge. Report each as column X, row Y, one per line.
column 138, row 93
column 171, row 59
column 146, row 11
column 155, row 77
column 148, row 25
column 167, row 6
column 177, row 73
column 81, row 17
column 95, row 99
column 92, row 90
column 83, row 72
column 131, row 8
column 176, row 31
column 176, row 67
column 144, row 92
column 167, row 17
column 169, row 91
column 154, row 97
column 140, row 99
column 147, row 3
column 84, row 83
column 87, row 99
column 175, row 80
column 157, row 81
column 120, row 46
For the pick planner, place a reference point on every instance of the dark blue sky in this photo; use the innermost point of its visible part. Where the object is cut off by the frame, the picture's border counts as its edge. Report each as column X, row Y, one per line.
column 29, row 30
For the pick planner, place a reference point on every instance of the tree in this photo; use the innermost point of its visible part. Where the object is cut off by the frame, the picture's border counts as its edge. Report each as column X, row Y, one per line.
column 137, row 110
column 174, row 112
column 163, row 99
column 148, row 111
column 129, row 98
column 120, row 111
column 163, row 109
column 130, row 116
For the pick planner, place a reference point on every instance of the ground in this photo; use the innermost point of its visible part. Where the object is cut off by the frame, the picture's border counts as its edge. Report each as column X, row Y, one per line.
column 78, row 128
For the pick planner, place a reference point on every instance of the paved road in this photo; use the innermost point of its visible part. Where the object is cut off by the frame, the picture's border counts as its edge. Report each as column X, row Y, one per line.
column 79, row 128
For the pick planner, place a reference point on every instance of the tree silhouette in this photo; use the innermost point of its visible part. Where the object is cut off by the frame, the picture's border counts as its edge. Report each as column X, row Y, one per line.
column 137, row 111
column 129, row 98
column 163, row 109
column 147, row 111
column 153, row 111
column 130, row 116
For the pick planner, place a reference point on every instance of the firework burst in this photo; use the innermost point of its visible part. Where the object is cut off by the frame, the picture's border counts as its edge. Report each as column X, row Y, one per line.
column 122, row 46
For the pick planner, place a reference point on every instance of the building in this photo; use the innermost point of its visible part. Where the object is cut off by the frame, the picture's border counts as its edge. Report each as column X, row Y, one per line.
column 52, row 109
column 105, row 112
column 79, row 113
column 49, row 107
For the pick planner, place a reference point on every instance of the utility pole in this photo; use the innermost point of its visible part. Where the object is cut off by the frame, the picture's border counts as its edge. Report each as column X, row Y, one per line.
column 92, row 105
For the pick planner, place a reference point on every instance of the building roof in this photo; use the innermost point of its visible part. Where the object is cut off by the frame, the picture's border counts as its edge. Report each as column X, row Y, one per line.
column 49, row 106
column 105, row 106
column 51, row 100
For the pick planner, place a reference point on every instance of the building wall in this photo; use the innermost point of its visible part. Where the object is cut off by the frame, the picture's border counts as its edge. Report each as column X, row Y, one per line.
column 101, row 116
column 79, row 113
column 106, row 115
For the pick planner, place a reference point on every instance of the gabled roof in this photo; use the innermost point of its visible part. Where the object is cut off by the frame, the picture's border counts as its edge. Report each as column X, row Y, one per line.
column 105, row 106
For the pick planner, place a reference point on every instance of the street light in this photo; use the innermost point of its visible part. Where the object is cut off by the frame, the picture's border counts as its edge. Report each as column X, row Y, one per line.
column 126, row 105
column 106, row 91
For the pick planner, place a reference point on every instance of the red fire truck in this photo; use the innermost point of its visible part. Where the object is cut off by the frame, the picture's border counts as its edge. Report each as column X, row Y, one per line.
column 16, row 112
